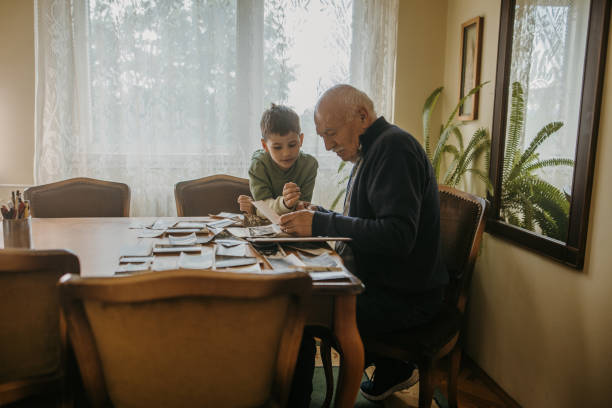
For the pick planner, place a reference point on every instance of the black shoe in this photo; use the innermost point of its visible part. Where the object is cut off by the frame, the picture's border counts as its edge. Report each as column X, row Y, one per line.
column 385, row 382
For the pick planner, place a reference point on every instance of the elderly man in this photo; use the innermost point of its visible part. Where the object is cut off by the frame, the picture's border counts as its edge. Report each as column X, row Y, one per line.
column 392, row 214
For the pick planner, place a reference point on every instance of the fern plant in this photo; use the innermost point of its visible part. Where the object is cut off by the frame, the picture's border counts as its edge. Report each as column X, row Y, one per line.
column 527, row 200
column 463, row 158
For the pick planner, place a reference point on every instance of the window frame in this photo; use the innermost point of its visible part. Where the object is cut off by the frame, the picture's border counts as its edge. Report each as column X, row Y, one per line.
column 571, row 252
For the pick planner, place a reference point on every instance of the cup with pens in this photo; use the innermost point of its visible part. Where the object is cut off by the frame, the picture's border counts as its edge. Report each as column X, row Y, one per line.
column 16, row 224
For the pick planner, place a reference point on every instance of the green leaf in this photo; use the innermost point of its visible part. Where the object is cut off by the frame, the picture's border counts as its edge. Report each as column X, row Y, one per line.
column 428, row 108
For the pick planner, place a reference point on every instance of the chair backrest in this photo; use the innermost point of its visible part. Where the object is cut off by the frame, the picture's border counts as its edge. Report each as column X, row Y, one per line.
column 462, row 223
column 209, row 195
column 79, row 197
column 187, row 337
column 32, row 333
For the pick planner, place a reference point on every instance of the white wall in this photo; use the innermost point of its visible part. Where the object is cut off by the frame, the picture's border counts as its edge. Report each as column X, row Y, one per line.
column 16, row 93
column 541, row 330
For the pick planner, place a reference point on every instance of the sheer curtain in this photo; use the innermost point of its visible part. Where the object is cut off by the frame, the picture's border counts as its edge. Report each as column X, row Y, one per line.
column 150, row 93
column 548, row 54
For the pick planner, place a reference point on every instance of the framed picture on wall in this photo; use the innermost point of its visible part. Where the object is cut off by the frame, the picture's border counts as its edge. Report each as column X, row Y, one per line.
column 471, row 44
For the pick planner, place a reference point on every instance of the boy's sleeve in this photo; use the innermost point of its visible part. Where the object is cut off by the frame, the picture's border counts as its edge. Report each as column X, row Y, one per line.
column 258, row 182
column 277, row 205
column 307, row 186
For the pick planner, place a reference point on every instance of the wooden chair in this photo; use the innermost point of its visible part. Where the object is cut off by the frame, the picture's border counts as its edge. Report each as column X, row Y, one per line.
column 187, row 337
column 32, row 331
column 209, row 195
column 79, row 197
column 462, row 223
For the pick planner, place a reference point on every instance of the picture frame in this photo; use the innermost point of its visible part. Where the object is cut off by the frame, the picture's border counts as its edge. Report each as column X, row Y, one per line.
column 471, row 46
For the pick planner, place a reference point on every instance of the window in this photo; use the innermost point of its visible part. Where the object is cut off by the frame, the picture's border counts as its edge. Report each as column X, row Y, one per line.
column 154, row 92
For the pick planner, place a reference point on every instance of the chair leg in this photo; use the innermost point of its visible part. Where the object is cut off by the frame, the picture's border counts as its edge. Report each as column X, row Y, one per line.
column 426, row 388
column 453, row 377
column 325, row 350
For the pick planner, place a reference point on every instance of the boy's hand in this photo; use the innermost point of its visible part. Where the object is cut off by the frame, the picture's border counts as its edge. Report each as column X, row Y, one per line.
column 246, row 204
column 305, row 205
column 297, row 223
column 291, row 194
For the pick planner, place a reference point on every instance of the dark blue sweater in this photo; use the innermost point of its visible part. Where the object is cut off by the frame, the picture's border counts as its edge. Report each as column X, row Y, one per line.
column 394, row 215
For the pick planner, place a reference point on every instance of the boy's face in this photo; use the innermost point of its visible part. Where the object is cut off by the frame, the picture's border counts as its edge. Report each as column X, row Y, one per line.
column 283, row 149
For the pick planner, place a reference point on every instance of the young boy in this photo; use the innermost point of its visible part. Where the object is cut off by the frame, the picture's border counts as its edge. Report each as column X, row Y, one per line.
column 280, row 174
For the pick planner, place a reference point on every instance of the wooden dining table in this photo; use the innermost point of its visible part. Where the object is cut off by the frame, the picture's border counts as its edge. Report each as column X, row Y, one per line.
column 98, row 242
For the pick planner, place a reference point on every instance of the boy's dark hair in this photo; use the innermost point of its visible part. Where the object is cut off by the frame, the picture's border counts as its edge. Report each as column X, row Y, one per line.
column 280, row 120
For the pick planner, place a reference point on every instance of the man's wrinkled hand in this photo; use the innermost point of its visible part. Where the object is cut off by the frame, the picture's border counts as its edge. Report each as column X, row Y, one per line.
column 291, row 194
column 297, row 223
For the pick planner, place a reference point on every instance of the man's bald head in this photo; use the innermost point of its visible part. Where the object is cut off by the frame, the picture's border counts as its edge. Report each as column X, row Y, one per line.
column 342, row 114
column 345, row 99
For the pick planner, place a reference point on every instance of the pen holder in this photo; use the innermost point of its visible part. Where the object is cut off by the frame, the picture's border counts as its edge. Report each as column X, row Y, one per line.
column 17, row 233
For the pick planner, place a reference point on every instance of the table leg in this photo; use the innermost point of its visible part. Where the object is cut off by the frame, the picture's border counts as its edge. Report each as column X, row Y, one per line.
column 351, row 366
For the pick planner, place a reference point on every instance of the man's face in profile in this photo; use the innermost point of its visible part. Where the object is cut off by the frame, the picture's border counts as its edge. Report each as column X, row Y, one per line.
column 340, row 130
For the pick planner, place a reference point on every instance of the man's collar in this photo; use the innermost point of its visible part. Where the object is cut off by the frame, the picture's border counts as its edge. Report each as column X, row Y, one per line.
column 375, row 129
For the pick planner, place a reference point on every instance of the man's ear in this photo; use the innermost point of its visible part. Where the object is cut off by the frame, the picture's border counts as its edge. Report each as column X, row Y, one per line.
column 301, row 139
column 264, row 145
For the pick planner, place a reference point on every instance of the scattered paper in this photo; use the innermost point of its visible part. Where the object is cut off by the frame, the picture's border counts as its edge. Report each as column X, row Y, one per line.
column 264, row 230
column 164, row 263
column 202, row 261
column 204, row 239
column 190, row 224
column 135, row 259
column 132, row 267
column 169, row 249
column 149, row 233
column 190, row 239
column 322, row 260
column 182, row 230
column 139, row 225
column 230, row 215
column 311, row 251
column 237, row 250
column 226, row 222
column 284, row 261
column 265, row 209
column 163, row 224
column 321, row 276
column 239, row 232
column 141, row 249
column 255, row 268
column 229, row 242
column 233, row 261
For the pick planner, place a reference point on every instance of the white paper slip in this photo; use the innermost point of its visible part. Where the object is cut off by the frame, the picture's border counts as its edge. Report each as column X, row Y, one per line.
column 237, row 250
column 190, row 224
column 230, row 215
column 170, row 249
column 203, row 261
column 164, row 263
column 149, row 233
column 310, row 251
column 255, row 268
column 264, row 230
column 190, row 239
column 135, row 259
column 322, row 260
column 204, row 239
column 226, row 222
column 132, row 267
column 321, row 276
column 265, row 209
column 228, row 242
column 233, row 261
column 182, row 230
column 281, row 262
column 238, row 232
column 141, row 249
column 138, row 225
column 163, row 224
